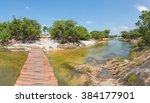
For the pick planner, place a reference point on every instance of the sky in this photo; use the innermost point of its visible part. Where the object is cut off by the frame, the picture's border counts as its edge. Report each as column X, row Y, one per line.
column 116, row 15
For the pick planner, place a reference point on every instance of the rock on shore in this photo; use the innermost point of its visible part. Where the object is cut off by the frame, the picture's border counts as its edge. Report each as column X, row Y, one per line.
column 118, row 71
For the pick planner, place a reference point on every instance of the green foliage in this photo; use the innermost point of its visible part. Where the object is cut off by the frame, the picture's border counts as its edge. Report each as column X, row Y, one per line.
column 134, row 54
column 132, row 34
column 82, row 32
column 63, row 31
column 143, row 31
column 4, row 33
column 96, row 35
column 68, row 31
column 4, row 37
column 125, row 34
column 134, row 80
column 19, row 29
column 113, row 36
column 106, row 33
column 144, row 27
column 25, row 29
column 45, row 29
column 100, row 34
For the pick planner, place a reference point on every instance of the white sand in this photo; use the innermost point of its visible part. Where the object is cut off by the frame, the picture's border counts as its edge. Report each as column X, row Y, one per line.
column 47, row 44
column 88, row 42
column 43, row 43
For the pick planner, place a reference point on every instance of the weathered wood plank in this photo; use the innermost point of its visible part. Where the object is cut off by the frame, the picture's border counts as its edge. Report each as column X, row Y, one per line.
column 36, row 71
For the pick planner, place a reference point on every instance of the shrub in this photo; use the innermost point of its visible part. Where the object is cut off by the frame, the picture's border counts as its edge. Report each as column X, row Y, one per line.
column 134, row 80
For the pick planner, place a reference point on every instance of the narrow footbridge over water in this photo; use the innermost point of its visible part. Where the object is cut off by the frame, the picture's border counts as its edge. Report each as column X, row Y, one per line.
column 36, row 71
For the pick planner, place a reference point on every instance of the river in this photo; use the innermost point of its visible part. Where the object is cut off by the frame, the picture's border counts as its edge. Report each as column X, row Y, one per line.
column 67, row 75
column 114, row 48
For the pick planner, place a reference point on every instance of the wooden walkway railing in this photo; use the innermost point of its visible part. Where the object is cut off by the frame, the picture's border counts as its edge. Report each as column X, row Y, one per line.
column 36, row 70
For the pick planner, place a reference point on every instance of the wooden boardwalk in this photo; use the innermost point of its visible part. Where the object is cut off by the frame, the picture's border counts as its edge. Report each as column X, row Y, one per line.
column 36, row 70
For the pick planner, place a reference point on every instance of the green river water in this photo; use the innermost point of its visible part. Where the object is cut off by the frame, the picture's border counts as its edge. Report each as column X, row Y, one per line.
column 67, row 75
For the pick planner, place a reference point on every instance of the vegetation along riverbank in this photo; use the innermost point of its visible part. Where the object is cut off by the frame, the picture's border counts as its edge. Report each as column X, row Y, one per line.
column 78, row 57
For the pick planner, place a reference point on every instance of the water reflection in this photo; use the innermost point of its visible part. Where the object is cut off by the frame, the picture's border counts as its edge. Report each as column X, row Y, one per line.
column 114, row 48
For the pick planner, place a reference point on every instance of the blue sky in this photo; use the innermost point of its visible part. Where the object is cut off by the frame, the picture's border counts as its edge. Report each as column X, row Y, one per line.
column 116, row 15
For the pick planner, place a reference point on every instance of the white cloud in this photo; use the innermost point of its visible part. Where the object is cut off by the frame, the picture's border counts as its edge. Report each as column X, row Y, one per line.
column 117, row 30
column 27, row 7
column 120, row 28
column 88, row 22
column 141, row 8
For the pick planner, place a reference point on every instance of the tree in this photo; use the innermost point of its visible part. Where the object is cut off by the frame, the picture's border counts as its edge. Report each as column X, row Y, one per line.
column 132, row 34
column 4, row 32
column 4, row 37
column 100, row 34
column 82, row 32
column 113, row 36
column 144, row 27
column 124, row 34
column 106, row 33
column 65, row 31
column 25, row 29
column 96, row 34
column 20, row 29
column 45, row 29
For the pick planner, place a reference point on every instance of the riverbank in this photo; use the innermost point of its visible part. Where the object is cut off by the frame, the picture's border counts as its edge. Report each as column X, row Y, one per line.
column 118, row 71
column 50, row 44
column 95, row 65
column 84, row 66
column 131, row 41
column 132, row 71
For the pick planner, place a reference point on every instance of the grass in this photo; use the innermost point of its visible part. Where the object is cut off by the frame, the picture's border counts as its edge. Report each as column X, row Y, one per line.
column 134, row 80
column 119, row 59
column 10, row 66
column 134, row 54
column 65, row 73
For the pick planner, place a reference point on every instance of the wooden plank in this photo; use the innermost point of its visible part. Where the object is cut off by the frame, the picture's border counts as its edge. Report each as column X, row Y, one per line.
column 36, row 71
